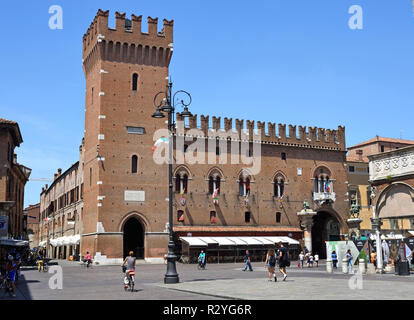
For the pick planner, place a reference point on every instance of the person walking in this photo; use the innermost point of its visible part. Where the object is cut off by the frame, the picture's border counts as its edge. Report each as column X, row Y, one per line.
column 311, row 259
column 40, row 262
column 349, row 260
column 270, row 263
column 11, row 268
column 374, row 259
column 334, row 257
column 283, row 260
column 307, row 256
column 317, row 259
column 301, row 259
column 247, row 262
column 88, row 259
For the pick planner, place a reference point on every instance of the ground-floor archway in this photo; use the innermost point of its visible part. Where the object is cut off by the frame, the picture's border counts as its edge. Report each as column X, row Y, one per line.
column 134, row 238
column 325, row 227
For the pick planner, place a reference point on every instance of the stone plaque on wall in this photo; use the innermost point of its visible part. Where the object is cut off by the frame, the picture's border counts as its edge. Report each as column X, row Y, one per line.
column 134, row 196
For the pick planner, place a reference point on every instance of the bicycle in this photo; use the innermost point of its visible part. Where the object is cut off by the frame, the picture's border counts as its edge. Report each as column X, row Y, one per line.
column 5, row 284
column 129, row 280
column 201, row 265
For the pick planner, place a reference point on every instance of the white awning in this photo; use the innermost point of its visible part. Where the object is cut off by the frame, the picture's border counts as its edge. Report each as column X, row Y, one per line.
column 223, row 241
column 194, row 241
column 411, row 232
column 289, row 240
column 237, row 241
column 208, row 240
column 251, row 241
column 264, row 241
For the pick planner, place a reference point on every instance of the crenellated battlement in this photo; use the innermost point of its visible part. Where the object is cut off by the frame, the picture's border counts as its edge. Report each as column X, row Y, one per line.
column 297, row 136
column 127, row 43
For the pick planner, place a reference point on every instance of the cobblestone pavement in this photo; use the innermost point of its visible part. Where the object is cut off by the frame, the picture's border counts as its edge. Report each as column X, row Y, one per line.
column 223, row 281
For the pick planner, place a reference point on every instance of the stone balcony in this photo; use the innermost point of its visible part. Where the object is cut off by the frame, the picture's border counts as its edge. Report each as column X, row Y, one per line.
column 324, row 196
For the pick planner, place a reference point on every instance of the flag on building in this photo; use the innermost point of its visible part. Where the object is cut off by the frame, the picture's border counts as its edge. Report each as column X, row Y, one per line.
column 214, row 196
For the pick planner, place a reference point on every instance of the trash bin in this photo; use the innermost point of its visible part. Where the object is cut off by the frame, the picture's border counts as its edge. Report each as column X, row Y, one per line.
column 402, row 268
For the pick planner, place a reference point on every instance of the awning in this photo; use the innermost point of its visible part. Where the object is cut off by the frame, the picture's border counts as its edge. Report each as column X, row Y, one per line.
column 263, row 240
column 208, row 240
column 237, row 241
column 251, row 241
column 13, row 243
column 223, row 241
column 194, row 241
column 289, row 240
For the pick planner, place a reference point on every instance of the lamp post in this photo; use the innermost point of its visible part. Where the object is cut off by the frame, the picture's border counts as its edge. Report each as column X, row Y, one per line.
column 168, row 105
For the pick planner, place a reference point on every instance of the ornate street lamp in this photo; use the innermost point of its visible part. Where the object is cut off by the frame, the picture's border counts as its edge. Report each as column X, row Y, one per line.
column 168, row 105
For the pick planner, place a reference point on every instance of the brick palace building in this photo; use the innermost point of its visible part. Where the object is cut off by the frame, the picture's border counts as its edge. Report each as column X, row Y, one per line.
column 125, row 191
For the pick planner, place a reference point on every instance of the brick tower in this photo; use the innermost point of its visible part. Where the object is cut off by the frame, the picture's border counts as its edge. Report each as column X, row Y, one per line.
column 124, row 69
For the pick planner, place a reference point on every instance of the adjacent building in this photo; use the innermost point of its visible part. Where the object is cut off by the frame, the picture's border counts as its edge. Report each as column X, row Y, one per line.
column 392, row 184
column 32, row 219
column 13, row 178
column 359, row 188
column 61, row 212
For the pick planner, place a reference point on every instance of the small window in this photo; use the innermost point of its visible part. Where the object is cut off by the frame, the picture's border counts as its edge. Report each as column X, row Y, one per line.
column 212, row 217
column 283, row 156
column 217, row 151
column 278, row 217
column 180, row 216
column 247, row 217
column 136, row 130
column 134, row 168
column 411, row 223
column 185, row 147
column 382, row 148
column 134, row 82
column 351, row 169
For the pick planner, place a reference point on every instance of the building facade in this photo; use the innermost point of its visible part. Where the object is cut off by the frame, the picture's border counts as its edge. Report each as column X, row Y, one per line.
column 358, row 176
column 32, row 214
column 61, row 213
column 392, row 183
column 13, row 178
column 125, row 191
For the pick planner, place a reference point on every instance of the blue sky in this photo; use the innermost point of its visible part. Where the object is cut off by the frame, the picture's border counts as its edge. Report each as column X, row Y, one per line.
column 293, row 62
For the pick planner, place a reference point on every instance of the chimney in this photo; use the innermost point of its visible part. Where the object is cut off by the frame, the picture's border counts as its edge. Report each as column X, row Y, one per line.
column 56, row 175
column 59, row 172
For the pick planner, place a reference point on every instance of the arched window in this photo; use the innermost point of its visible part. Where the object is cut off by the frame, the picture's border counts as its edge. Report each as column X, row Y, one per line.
column 244, row 184
column 181, row 181
column 279, row 186
column 134, row 82
column 134, row 166
column 322, row 182
column 214, row 182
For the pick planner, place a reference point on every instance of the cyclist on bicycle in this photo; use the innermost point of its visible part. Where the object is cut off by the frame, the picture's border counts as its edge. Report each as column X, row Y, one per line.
column 130, row 265
column 11, row 268
column 202, row 259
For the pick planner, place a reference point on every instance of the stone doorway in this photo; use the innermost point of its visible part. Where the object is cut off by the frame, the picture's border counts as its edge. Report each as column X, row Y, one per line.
column 325, row 228
column 134, row 238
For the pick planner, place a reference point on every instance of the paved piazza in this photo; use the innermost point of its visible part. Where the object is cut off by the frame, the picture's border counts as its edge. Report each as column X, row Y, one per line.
column 224, row 281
